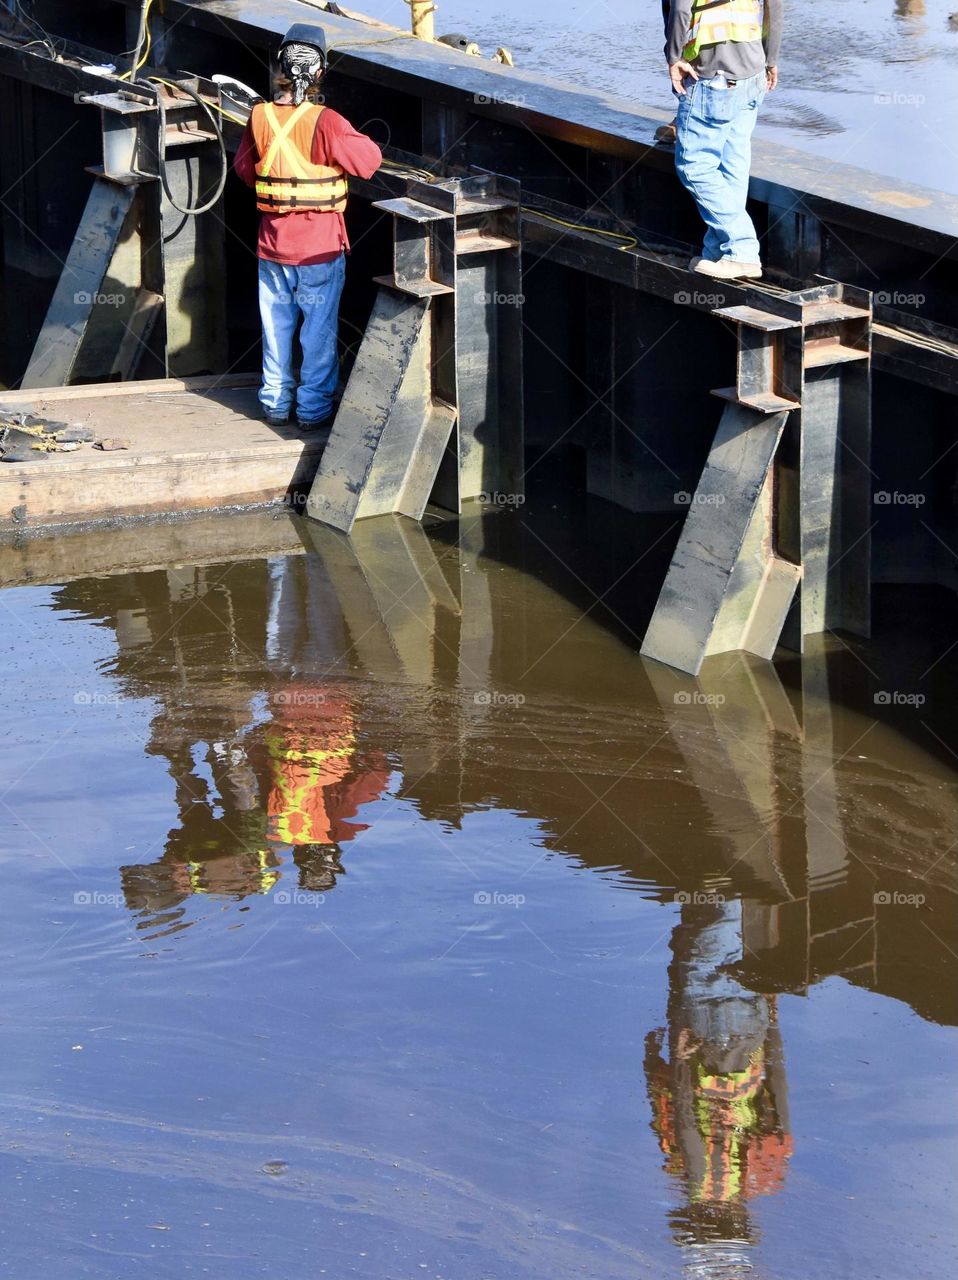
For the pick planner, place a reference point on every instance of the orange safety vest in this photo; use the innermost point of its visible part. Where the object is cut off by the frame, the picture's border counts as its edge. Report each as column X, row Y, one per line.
column 286, row 178
column 297, row 810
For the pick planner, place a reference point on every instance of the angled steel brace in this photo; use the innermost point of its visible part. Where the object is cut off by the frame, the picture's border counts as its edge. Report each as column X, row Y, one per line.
column 781, row 514
column 80, row 286
column 433, row 407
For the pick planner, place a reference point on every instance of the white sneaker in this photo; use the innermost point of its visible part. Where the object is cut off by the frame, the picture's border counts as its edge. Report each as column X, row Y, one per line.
column 727, row 269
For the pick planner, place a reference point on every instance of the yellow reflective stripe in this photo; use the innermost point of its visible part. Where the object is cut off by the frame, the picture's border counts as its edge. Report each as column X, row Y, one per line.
column 280, row 138
column 279, row 192
column 728, row 20
column 268, row 875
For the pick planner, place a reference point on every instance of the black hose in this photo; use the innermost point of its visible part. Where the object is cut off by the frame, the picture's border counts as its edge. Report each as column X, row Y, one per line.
column 224, row 164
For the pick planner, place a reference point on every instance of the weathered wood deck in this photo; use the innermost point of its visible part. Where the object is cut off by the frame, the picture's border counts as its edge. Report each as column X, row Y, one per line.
column 193, row 446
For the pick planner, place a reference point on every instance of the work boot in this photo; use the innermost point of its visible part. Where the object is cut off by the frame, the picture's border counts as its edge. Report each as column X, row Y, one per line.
column 313, row 426
column 276, row 419
column 727, row 269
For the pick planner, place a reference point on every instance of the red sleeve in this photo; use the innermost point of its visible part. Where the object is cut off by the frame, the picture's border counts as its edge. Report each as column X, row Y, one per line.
column 245, row 162
column 337, row 142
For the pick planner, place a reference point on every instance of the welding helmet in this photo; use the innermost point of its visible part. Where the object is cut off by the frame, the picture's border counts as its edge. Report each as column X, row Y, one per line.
column 302, row 57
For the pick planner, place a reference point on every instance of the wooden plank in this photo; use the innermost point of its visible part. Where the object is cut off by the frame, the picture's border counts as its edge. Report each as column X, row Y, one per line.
column 80, row 284
column 104, row 390
column 40, row 494
column 187, row 450
column 203, row 539
column 699, row 577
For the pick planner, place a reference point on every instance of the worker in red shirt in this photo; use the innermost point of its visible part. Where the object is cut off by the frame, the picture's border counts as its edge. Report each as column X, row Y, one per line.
column 296, row 154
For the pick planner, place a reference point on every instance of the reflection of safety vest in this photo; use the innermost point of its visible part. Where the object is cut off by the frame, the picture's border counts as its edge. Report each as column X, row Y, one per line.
column 301, row 772
column 716, row 21
column 727, row 1119
column 733, row 1086
column 266, row 873
column 286, row 178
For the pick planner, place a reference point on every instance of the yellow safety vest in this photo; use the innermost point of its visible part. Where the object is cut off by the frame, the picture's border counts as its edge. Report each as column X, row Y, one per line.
column 726, row 1139
column 286, row 178
column 717, row 21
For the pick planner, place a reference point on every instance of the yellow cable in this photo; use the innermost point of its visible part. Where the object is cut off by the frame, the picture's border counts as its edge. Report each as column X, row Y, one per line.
column 214, row 106
column 408, row 168
column 631, row 242
column 128, row 75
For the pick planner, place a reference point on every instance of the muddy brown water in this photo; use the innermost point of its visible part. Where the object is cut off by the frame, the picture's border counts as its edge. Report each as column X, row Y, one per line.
column 373, row 909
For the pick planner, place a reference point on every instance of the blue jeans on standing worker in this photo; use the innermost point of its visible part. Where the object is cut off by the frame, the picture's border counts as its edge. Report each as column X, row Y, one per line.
column 287, row 293
column 713, row 155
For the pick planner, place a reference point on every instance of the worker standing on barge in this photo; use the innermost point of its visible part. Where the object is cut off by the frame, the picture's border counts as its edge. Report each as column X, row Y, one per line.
column 722, row 57
column 297, row 155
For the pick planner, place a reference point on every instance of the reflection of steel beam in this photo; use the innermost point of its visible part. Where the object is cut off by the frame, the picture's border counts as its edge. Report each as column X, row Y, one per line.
column 727, row 726
column 724, row 583
column 389, row 586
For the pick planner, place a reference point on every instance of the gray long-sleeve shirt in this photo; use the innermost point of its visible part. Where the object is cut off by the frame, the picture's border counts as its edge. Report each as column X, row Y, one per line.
column 737, row 59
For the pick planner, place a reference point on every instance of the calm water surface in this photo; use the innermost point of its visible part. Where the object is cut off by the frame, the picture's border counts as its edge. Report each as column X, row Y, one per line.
column 372, row 909
column 871, row 83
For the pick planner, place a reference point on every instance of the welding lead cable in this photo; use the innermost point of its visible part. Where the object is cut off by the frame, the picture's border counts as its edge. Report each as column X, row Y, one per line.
column 224, row 162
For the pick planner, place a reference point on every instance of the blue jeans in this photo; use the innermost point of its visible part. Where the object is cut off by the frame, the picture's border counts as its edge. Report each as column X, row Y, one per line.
column 713, row 153
column 285, row 294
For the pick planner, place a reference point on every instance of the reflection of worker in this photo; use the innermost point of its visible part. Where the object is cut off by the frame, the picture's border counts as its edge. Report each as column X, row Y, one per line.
column 219, row 847
column 719, row 1102
column 313, row 784
column 317, row 786
column 722, row 57
column 297, row 155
